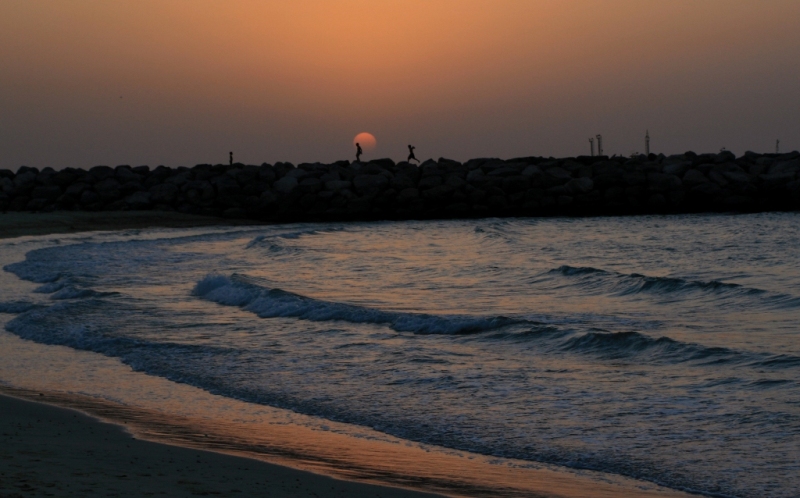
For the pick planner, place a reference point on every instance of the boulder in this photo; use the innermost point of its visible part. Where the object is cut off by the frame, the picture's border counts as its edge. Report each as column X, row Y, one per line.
column 139, row 200
column 694, row 177
column 296, row 173
column 581, row 185
column 286, row 184
column 430, row 181
column 48, row 193
column 108, row 189
column 102, row 172
column 661, row 182
column 336, row 185
column 785, row 167
column 677, row 169
column 25, row 180
column 370, row 183
column 559, row 174
column 310, row 185
column 164, row 193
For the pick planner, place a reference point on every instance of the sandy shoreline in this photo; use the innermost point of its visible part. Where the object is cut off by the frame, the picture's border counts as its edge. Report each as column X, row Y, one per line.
column 50, row 451
column 161, row 458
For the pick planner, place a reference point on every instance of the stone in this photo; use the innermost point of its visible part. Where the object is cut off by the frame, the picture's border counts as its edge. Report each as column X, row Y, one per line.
column 139, row 200
column 296, row 173
column 108, row 189
column 438, row 193
column 336, row 185
column 677, row 169
column 89, row 197
column 694, row 177
column 506, row 171
column 785, row 167
column 430, row 182
column 286, row 184
column 718, row 178
column 497, row 202
column 402, row 182
column 774, row 181
column 532, row 170
column 102, row 172
column 25, row 180
column 370, row 183
column 581, row 185
column 558, row 173
column 407, row 194
column 6, row 185
column 564, row 200
column 164, row 193
column 310, row 185
column 707, row 189
column 514, row 184
column 458, row 208
column 47, row 192
column 662, row 182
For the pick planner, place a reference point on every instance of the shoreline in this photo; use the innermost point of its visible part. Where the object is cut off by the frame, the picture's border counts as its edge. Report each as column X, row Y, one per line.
column 50, row 450
column 196, row 420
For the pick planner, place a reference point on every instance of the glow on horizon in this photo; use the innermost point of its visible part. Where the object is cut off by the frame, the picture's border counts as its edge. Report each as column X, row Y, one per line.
column 182, row 82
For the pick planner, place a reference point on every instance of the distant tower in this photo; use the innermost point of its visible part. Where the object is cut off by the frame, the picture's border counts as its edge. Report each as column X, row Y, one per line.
column 591, row 145
column 647, row 142
column 599, row 145
column 777, row 146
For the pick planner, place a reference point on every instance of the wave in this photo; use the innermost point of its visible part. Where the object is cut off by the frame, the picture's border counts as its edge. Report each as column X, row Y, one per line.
column 622, row 284
column 272, row 303
column 16, row 307
column 629, row 345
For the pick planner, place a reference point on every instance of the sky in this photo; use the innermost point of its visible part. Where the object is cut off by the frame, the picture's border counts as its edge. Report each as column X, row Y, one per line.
column 183, row 82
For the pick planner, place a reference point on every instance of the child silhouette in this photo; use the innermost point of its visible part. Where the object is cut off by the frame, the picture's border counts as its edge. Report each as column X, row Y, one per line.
column 358, row 152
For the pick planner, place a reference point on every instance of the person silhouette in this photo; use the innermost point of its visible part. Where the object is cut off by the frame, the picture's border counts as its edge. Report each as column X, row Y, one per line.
column 231, row 158
column 358, row 152
column 411, row 156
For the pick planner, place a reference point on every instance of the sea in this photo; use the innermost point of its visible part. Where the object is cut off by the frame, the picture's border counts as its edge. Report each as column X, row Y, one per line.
column 665, row 349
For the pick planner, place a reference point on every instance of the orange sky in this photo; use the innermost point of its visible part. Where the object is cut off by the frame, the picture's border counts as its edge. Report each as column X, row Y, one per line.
column 181, row 82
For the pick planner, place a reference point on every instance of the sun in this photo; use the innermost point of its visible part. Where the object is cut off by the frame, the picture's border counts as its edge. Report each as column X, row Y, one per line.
column 366, row 140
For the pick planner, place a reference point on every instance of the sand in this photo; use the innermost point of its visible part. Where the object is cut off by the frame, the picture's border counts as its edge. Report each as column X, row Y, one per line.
column 51, row 451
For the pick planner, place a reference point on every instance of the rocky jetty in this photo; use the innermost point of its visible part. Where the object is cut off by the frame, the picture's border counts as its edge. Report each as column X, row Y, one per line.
column 383, row 189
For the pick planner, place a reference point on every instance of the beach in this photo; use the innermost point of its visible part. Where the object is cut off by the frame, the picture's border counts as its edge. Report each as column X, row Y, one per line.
column 118, row 376
column 51, row 451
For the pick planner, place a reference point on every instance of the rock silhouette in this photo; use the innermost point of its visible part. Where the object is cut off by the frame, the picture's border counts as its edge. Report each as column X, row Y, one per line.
column 383, row 189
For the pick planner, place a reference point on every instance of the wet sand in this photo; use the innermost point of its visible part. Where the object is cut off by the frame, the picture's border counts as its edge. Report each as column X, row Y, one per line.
column 51, row 451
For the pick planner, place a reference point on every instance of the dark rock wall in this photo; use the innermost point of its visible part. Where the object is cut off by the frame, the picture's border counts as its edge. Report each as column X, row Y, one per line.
column 381, row 189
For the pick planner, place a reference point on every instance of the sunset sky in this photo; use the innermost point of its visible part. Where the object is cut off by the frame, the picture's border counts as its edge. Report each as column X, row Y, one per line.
column 181, row 82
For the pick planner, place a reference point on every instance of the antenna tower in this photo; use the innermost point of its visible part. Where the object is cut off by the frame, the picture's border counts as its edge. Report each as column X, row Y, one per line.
column 591, row 145
column 599, row 145
column 647, row 142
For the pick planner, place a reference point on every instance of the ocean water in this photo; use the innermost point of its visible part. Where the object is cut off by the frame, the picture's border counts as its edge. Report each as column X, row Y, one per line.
column 661, row 348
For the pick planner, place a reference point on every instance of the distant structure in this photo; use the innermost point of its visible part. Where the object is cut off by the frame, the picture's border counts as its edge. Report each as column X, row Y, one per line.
column 591, row 145
column 647, row 142
column 777, row 146
column 599, row 145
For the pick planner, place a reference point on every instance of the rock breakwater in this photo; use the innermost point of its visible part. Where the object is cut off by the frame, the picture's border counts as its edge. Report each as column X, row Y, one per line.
column 383, row 189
